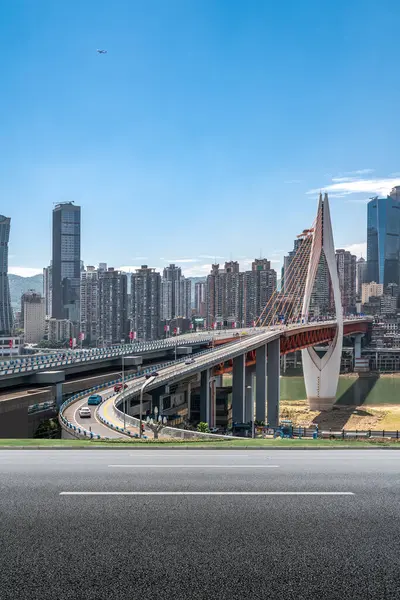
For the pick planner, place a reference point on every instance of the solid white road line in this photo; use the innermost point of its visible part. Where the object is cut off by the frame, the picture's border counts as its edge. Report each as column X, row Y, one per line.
column 206, row 494
column 161, row 466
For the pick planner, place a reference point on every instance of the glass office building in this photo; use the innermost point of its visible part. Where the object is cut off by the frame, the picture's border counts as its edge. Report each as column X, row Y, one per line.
column 66, row 263
column 383, row 239
column 6, row 315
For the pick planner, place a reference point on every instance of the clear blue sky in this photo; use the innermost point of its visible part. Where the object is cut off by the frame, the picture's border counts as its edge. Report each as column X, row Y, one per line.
column 203, row 130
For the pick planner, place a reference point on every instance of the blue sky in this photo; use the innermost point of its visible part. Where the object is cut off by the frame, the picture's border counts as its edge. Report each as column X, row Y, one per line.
column 206, row 131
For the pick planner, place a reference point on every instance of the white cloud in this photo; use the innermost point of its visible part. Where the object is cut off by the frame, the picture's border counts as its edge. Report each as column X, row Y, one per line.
column 25, row 271
column 197, row 271
column 180, row 260
column 140, row 258
column 341, row 179
column 375, row 187
column 360, row 172
column 359, row 249
column 210, row 256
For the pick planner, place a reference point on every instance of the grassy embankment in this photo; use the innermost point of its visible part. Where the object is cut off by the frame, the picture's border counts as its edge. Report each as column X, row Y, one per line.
column 221, row 444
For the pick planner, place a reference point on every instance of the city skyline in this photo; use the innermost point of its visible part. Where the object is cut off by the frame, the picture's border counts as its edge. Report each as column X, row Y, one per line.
column 192, row 112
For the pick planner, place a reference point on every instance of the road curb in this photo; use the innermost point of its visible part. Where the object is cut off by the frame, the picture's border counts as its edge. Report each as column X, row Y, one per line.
column 231, row 448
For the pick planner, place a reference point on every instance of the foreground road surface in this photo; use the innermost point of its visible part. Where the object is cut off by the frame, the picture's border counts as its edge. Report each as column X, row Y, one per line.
column 186, row 524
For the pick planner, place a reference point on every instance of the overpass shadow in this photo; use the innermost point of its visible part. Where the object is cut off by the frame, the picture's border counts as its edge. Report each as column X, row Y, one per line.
column 344, row 406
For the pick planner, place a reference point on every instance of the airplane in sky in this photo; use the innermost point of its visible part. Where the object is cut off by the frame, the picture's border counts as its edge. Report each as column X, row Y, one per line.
column 102, row 51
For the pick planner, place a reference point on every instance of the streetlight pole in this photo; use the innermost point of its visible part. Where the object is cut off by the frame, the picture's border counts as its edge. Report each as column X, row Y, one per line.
column 123, row 389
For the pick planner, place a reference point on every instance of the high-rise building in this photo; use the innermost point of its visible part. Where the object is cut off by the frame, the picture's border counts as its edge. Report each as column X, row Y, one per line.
column 361, row 275
column 371, row 289
column 383, row 239
column 90, row 307
column 259, row 286
column 113, row 325
column 146, row 303
column 66, row 263
column 175, row 288
column 59, row 330
column 294, row 275
column 225, row 295
column 320, row 297
column 33, row 316
column 346, row 266
column 183, row 301
column 6, row 315
column 47, row 288
column 171, row 274
column 200, row 298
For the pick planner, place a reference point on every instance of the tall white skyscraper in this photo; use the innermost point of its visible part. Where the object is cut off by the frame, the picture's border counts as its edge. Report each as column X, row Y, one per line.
column 33, row 315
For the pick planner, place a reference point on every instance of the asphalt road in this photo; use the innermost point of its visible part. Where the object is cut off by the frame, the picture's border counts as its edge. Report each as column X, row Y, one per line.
column 92, row 423
column 185, row 546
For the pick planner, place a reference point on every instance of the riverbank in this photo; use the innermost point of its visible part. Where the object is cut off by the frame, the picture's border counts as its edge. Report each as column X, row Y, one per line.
column 362, row 417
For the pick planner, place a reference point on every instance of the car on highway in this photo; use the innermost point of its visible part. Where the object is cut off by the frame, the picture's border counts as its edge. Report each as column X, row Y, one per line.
column 95, row 400
column 189, row 361
column 118, row 387
column 152, row 374
column 85, row 412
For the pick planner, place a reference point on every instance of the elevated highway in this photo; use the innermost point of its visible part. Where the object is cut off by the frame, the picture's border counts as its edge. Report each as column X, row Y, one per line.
column 234, row 354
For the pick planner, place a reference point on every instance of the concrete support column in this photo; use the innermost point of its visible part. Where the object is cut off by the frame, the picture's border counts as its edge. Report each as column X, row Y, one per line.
column 238, row 388
column 189, row 399
column 213, row 402
column 156, row 399
column 205, row 396
column 59, row 393
column 273, row 383
column 261, row 382
column 357, row 345
column 249, row 401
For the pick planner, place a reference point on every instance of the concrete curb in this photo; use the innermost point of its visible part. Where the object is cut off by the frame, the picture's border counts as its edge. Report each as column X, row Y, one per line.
column 125, row 446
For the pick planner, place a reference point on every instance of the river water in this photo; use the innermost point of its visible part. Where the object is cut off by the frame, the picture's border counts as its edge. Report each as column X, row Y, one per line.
column 351, row 389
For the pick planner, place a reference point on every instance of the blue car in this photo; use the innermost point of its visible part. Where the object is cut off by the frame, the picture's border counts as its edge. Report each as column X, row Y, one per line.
column 94, row 400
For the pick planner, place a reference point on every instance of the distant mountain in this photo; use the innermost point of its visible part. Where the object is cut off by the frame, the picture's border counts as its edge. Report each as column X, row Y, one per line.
column 19, row 285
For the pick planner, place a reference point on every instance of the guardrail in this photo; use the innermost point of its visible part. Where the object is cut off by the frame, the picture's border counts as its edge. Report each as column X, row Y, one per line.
column 35, row 363
column 81, row 431
column 358, row 433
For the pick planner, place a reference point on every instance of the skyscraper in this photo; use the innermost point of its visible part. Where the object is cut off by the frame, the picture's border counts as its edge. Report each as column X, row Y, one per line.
column 361, row 275
column 383, row 239
column 90, row 304
column 346, row 266
column 113, row 325
column 6, row 316
column 171, row 274
column 225, row 294
column 47, row 289
column 33, row 316
column 200, row 298
column 175, row 294
column 259, row 285
column 146, row 303
column 66, row 263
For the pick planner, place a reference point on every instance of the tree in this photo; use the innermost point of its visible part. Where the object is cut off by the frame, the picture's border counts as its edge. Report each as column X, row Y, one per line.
column 203, row 427
column 157, row 424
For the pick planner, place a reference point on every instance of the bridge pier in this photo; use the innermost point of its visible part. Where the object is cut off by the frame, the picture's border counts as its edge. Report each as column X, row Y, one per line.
column 205, row 404
column 249, row 396
column 238, row 388
column 261, row 382
column 357, row 345
column 273, row 382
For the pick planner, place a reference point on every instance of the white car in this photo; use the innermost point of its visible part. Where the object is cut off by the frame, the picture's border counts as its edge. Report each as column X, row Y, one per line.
column 85, row 412
column 189, row 361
